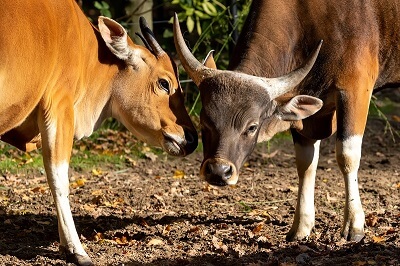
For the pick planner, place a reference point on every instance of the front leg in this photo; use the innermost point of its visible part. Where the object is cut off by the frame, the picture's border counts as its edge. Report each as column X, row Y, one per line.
column 57, row 127
column 307, row 155
column 348, row 155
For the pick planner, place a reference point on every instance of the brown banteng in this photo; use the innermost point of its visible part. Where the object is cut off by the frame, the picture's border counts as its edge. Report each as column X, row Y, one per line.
column 60, row 77
column 256, row 98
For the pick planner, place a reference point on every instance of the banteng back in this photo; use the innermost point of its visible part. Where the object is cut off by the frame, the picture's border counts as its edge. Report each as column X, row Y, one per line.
column 60, row 77
column 256, row 98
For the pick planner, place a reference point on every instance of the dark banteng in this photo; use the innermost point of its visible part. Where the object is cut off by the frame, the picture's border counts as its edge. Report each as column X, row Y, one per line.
column 256, row 98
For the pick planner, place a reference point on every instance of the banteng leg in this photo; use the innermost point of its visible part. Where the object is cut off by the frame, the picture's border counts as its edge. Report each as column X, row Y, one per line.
column 348, row 154
column 57, row 137
column 307, row 154
column 352, row 111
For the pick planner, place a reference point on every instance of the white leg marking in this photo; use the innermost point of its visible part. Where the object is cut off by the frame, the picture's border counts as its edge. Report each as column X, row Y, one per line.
column 307, row 162
column 59, row 184
column 348, row 155
column 57, row 178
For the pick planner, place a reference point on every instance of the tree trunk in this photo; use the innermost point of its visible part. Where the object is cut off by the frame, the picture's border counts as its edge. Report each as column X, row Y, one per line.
column 139, row 8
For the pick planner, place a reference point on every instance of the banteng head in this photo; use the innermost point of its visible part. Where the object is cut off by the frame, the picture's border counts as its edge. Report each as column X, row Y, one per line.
column 239, row 110
column 146, row 96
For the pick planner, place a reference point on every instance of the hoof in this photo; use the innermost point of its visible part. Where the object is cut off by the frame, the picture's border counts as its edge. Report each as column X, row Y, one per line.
column 355, row 236
column 77, row 259
column 294, row 236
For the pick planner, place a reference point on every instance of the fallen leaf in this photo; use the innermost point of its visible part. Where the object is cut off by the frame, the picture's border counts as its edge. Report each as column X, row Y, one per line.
column 151, row 156
column 166, row 230
column 258, row 228
column 155, row 242
column 123, row 240
column 391, row 231
column 144, row 223
column 96, row 172
column 218, row 244
column 371, row 220
column 179, row 174
column 39, row 189
column 194, row 229
column 98, row 236
column 378, row 239
column 78, row 183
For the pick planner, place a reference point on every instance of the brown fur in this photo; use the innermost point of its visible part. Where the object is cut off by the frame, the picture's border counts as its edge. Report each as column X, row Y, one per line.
column 360, row 54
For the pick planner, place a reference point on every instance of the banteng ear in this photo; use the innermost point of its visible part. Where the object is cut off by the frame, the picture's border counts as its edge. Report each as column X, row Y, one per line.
column 209, row 60
column 115, row 37
column 299, row 107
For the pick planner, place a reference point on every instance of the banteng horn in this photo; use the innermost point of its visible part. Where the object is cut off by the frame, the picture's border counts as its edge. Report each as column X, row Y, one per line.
column 196, row 70
column 148, row 38
column 275, row 87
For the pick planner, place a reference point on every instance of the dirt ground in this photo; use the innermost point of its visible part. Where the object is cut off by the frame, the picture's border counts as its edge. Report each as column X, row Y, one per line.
column 157, row 211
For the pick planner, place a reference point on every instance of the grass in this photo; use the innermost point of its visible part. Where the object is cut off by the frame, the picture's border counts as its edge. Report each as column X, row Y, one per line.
column 382, row 109
column 104, row 149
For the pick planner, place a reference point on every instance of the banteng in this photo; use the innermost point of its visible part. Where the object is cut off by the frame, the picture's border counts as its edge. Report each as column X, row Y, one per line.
column 60, row 77
column 262, row 93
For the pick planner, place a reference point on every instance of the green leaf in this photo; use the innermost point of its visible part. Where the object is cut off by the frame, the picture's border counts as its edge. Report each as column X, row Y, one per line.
column 168, row 33
column 189, row 11
column 201, row 14
column 105, row 5
column 198, row 25
column 210, row 9
column 97, row 5
column 190, row 23
column 106, row 13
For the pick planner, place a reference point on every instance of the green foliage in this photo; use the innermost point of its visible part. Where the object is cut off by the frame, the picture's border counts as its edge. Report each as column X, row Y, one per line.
column 210, row 25
column 207, row 25
column 103, row 7
column 196, row 12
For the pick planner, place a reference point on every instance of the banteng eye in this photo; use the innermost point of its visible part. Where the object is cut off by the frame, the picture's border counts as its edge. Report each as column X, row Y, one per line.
column 164, row 85
column 252, row 129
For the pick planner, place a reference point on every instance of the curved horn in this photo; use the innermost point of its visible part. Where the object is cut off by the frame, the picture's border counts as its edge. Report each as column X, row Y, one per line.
column 196, row 70
column 148, row 35
column 143, row 41
column 278, row 86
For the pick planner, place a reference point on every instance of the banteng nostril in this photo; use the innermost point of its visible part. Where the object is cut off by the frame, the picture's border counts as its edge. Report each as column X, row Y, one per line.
column 190, row 137
column 223, row 171
column 191, row 141
column 208, row 169
column 227, row 171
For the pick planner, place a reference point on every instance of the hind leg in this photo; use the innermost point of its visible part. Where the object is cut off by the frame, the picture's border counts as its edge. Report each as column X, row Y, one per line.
column 352, row 117
column 348, row 154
